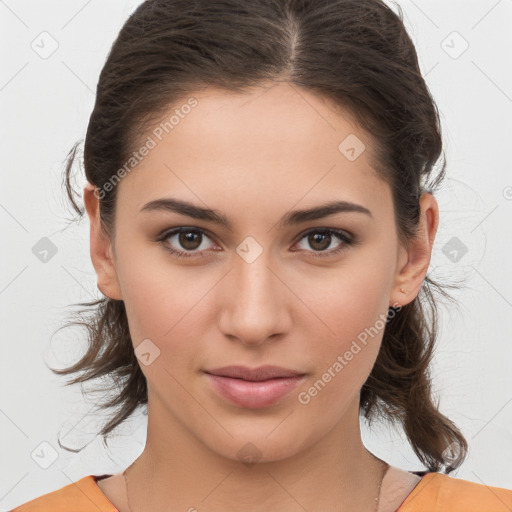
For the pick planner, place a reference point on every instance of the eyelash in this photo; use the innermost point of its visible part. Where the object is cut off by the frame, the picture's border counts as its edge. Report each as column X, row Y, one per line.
column 347, row 240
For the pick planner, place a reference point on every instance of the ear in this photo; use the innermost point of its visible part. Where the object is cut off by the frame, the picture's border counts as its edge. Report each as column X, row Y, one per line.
column 413, row 261
column 101, row 247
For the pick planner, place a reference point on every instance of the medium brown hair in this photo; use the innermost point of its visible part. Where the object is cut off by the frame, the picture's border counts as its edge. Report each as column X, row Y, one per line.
column 356, row 53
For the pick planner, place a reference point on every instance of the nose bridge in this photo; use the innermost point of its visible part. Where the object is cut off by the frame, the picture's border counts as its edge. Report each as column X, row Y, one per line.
column 255, row 285
column 256, row 308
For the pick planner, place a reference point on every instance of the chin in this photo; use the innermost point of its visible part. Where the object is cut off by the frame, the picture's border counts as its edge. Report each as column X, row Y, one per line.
column 258, row 446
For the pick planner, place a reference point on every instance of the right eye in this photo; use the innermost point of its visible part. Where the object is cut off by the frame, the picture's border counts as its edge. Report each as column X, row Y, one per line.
column 189, row 239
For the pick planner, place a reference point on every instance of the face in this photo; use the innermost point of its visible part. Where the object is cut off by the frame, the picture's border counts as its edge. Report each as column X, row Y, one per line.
column 267, row 286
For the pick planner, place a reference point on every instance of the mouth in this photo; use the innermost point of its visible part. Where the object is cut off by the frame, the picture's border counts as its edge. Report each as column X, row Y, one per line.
column 256, row 374
column 253, row 388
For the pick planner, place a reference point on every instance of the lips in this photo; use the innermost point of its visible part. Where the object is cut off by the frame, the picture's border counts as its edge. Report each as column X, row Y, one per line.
column 253, row 388
column 256, row 374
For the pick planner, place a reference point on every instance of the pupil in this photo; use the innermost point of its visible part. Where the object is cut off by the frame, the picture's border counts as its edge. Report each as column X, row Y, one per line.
column 187, row 240
column 318, row 237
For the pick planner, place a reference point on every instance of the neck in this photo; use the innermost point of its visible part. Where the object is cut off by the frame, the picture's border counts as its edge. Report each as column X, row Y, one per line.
column 176, row 469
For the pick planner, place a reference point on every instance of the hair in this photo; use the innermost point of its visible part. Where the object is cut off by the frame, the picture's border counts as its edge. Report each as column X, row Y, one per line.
column 355, row 53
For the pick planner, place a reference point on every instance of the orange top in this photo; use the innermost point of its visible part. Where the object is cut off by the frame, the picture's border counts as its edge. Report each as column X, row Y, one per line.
column 435, row 492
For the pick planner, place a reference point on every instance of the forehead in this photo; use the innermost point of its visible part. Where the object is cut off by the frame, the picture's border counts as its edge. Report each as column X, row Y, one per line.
column 273, row 143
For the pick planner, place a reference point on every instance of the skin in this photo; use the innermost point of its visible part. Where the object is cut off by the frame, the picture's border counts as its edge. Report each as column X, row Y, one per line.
column 254, row 157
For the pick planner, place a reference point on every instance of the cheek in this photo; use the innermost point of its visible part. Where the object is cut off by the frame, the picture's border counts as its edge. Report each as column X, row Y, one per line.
column 162, row 301
column 353, row 312
column 352, row 307
column 350, row 303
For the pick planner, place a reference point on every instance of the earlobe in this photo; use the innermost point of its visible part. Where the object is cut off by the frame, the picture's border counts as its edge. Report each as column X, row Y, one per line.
column 415, row 260
column 101, row 249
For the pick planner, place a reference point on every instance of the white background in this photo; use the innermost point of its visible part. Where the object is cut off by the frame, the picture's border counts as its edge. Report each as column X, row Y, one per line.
column 45, row 106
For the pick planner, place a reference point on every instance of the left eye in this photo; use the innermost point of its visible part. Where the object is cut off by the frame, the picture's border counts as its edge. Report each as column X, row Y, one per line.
column 191, row 239
column 322, row 239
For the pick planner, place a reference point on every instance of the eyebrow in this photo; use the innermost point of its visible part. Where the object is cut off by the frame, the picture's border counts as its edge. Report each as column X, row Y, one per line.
column 291, row 218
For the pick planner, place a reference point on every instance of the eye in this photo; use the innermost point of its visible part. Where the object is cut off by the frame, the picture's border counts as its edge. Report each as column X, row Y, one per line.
column 190, row 239
column 320, row 239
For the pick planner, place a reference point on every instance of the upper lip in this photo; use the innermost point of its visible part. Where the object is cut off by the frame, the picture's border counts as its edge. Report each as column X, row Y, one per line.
column 254, row 374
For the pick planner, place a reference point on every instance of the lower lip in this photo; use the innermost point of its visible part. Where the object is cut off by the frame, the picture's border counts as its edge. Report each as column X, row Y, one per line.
column 251, row 394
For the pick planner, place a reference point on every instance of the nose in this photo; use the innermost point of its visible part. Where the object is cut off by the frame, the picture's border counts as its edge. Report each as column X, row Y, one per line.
column 255, row 304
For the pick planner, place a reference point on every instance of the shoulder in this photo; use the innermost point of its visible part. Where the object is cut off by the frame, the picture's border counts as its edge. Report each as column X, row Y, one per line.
column 437, row 492
column 81, row 496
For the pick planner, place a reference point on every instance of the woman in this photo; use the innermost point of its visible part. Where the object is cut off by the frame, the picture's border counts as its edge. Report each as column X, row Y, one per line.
column 260, row 194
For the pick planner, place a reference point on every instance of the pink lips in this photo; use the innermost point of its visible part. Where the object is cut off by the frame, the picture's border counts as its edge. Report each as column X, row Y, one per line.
column 254, row 388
